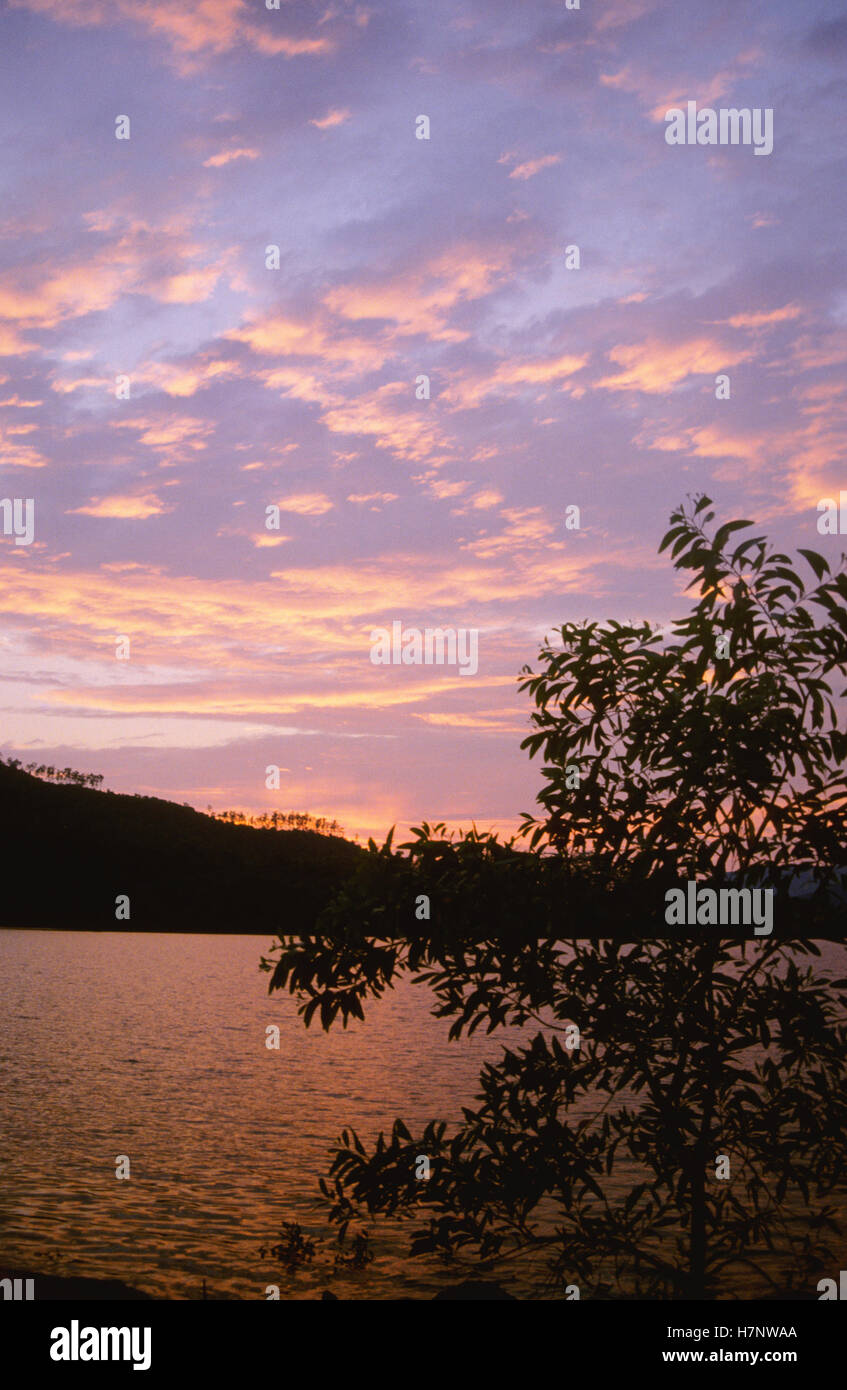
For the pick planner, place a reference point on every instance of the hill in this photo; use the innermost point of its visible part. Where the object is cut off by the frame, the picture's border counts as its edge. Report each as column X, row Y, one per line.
column 70, row 851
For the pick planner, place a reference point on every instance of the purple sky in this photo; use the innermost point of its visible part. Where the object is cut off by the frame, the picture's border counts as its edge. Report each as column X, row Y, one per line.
column 249, row 386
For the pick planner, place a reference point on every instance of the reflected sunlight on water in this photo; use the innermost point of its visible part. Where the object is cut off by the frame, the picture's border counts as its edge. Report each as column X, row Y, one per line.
column 154, row 1046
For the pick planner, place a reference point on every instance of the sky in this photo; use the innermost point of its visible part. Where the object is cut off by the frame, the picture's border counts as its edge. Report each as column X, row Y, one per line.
column 163, row 383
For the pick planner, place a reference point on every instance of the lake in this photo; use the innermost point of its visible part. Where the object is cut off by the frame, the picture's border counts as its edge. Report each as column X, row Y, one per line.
column 153, row 1046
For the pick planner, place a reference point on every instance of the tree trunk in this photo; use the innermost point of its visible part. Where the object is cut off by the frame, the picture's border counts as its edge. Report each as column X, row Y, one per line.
column 702, row 1154
column 697, row 1254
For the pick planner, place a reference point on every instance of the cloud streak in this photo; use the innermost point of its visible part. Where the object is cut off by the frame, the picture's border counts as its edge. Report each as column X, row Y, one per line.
column 420, row 380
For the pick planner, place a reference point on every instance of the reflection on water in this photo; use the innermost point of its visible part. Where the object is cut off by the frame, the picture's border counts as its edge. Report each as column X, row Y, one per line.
column 153, row 1046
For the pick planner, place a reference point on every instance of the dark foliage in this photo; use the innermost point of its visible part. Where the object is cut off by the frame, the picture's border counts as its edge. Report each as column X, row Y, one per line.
column 721, row 757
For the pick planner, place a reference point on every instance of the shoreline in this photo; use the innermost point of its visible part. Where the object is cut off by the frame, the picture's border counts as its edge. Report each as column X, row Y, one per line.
column 74, row 1287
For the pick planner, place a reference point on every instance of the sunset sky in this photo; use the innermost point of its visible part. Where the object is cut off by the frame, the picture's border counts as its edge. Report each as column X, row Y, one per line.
column 251, row 386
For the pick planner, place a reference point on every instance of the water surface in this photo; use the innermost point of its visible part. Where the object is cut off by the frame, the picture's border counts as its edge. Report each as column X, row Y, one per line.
column 153, row 1046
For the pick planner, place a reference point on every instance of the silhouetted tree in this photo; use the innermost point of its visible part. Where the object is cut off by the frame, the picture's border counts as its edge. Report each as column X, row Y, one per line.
column 717, row 753
column 687, row 1051
column 52, row 774
column 294, row 820
column 719, row 750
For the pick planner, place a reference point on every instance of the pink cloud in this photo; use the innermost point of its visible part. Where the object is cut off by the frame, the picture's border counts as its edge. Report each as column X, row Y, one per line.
column 307, row 504
column 655, row 366
column 420, row 299
column 765, row 318
column 193, row 32
column 531, row 167
column 332, row 118
column 135, row 508
column 216, row 161
column 17, row 455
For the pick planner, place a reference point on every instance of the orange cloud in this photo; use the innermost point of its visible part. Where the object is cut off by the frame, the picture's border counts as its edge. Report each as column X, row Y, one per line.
column 240, row 625
column 420, row 300
column 286, row 46
column 708, row 441
column 643, row 84
column 130, row 263
column 332, row 118
column 185, row 380
column 443, row 489
column 241, row 704
column 176, row 436
column 655, row 366
column 385, row 414
column 407, row 432
column 124, row 508
column 279, row 336
column 11, row 345
column 78, row 289
column 467, row 392
column 526, row 527
column 826, row 347
column 65, row 386
column 707, row 93
column 494, row 721
column 821, row 394
column 16, row 455
column 193, row 32
column 765, row 318
column 216, row 161
column 531, row 167
column 189, row 287
column 301, row 384
column 307, row 504
column 805, row 459
column 618, row 13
